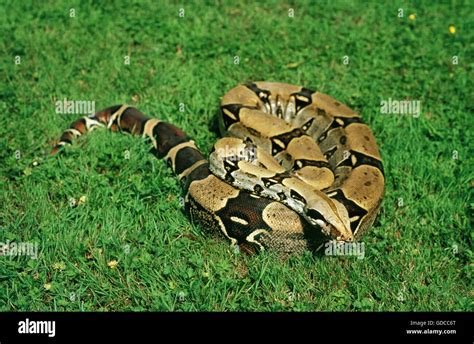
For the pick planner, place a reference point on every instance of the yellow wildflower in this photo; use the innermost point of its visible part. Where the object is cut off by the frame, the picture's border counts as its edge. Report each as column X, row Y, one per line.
column 112, row 264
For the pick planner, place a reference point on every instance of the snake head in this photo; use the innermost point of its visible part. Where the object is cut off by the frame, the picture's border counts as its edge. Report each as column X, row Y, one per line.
column 331, row 217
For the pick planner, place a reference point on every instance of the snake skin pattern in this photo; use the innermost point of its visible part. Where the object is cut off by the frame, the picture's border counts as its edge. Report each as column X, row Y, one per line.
column 294, row 168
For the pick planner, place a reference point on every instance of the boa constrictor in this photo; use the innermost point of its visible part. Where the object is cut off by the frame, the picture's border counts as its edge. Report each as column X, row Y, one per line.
column 294, row 168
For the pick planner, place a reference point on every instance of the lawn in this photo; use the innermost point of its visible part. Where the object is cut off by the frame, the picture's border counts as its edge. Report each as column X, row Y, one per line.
column 106, row 216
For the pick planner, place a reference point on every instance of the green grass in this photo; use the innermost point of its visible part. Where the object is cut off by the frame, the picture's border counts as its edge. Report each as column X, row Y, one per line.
column 418, row 254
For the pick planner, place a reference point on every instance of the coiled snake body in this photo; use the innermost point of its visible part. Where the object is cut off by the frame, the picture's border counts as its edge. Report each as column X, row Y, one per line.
column 295, row 167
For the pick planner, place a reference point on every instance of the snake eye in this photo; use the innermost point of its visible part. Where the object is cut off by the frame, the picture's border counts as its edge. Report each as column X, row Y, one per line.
column 316, row 216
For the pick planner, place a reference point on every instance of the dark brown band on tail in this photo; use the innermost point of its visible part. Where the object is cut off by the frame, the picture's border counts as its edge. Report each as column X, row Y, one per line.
column 168, row 140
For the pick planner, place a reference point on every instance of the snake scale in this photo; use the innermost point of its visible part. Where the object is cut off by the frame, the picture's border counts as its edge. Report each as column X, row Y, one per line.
column 294, row 167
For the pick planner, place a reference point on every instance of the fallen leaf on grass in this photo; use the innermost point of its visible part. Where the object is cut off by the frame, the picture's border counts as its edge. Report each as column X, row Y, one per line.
column 294, row 65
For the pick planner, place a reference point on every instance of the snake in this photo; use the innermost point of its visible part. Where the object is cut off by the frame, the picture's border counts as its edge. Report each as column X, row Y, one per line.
column 294, row 167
